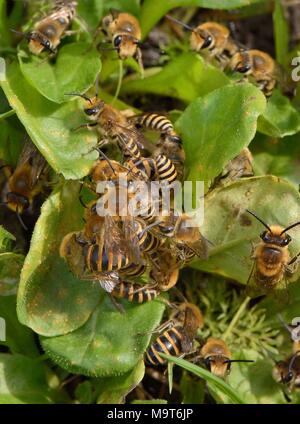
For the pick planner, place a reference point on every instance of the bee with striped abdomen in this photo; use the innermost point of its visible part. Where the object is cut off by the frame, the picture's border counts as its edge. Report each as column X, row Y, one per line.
column 135, row 293
column 178, row 338
column 160, row 168
column 47, row 33
column 272, row 264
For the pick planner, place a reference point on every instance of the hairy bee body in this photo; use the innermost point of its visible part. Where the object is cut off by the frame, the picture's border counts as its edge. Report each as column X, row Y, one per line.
column 259, row 65
column 134, row 292
column 152, row 169
column 177, row 340
column 48, row 32
column 133, row 270
column 148, row 243
column 124, row 31
column 216, row 356
column 26, row 181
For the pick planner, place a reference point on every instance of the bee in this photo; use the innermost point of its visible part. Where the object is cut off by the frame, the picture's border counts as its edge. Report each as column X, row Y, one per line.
column 217, row 357
column 272, row 264
column 124, row 32
column 153, row 169
column 184, row 236
column 107, row 170
column 178, row 338
column 263, row 70
column 94, row 223
column 112, row 125
column 170, row 144
column 211, row 39
column 135, row 293
column 148, row 243
column 47, row 33
column 238, row 167
column 26, row 181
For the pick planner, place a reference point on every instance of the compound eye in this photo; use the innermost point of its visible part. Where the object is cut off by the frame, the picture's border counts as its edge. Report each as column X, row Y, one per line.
column 207, row 42
column 264, row 236
column 244, row 69
column 118, row 41
column 91, row 111
column 207, row 362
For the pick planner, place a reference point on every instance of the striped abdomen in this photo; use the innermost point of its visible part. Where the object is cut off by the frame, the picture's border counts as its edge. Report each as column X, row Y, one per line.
column 133, row 270
column 98, row 260
column 128, row 146
column 169, row 343
column 165, row 169
column 134, row 292
column 156, row 122
column 147, row 241
column 146, row 167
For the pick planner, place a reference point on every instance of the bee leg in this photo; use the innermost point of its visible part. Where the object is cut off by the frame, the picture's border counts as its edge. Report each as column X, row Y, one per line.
column 69, row 33
column 94, row 124
column 117, row 305
column 293, row 264
column 165, row 326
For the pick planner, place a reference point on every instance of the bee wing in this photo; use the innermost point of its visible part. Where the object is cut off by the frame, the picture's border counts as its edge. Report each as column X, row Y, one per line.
column 113, row 237
column 31, row 155
column 132, row 240
column 200, row 248
column 252, row 288
column 190, row 330
column 129, row 133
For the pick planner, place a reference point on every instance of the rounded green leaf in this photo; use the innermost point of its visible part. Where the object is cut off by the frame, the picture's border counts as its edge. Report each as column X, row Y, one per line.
column 232, row 230
column 217, row 127
column 75, row 71
column 110, row 342
column 50, row 299
column 113, row 390
column 23, row 380
column 10, row 269
column 174, row 81
column 51, row 126
column 280, row 118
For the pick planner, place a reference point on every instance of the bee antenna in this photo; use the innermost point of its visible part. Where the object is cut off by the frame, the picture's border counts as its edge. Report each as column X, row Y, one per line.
column 238, row 360
column 83, row 96
column 189, row 28
column 289, row 227
column 260, row 220
column 292, row 361
column 284, row 324
column 107, row 159
column 21, row 220
column 24, row 34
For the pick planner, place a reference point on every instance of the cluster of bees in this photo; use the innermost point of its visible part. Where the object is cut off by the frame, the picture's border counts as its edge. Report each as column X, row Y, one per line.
column 120, row 251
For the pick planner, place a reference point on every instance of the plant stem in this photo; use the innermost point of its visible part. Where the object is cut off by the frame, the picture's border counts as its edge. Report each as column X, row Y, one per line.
column 7, row 114
column 236, row 317
column 119, row 81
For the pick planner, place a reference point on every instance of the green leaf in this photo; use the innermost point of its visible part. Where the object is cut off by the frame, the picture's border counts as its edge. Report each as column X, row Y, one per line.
column 150, row 402
column 153, row 10
column 22, row 380
column 281, row 32
column 109, row 343
column 280, row 118
column 174, row 81
column 231, row 229
column 19, row 338
column 4, row 32
column 215, row 381
column 113, row 390
column 217, row 127
column 5, row 239
column 50, row 126
column 84, row 392
column 75, row 71
column 50, row 299
column 192, row 389
column 10, row 269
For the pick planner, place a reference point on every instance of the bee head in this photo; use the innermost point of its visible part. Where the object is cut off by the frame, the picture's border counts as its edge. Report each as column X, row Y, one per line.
column 126, row 45
column 17, row 202
column 39, row 42
column 94, row 107
column 201, row 40
column 275, row 236
column 218, row 365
